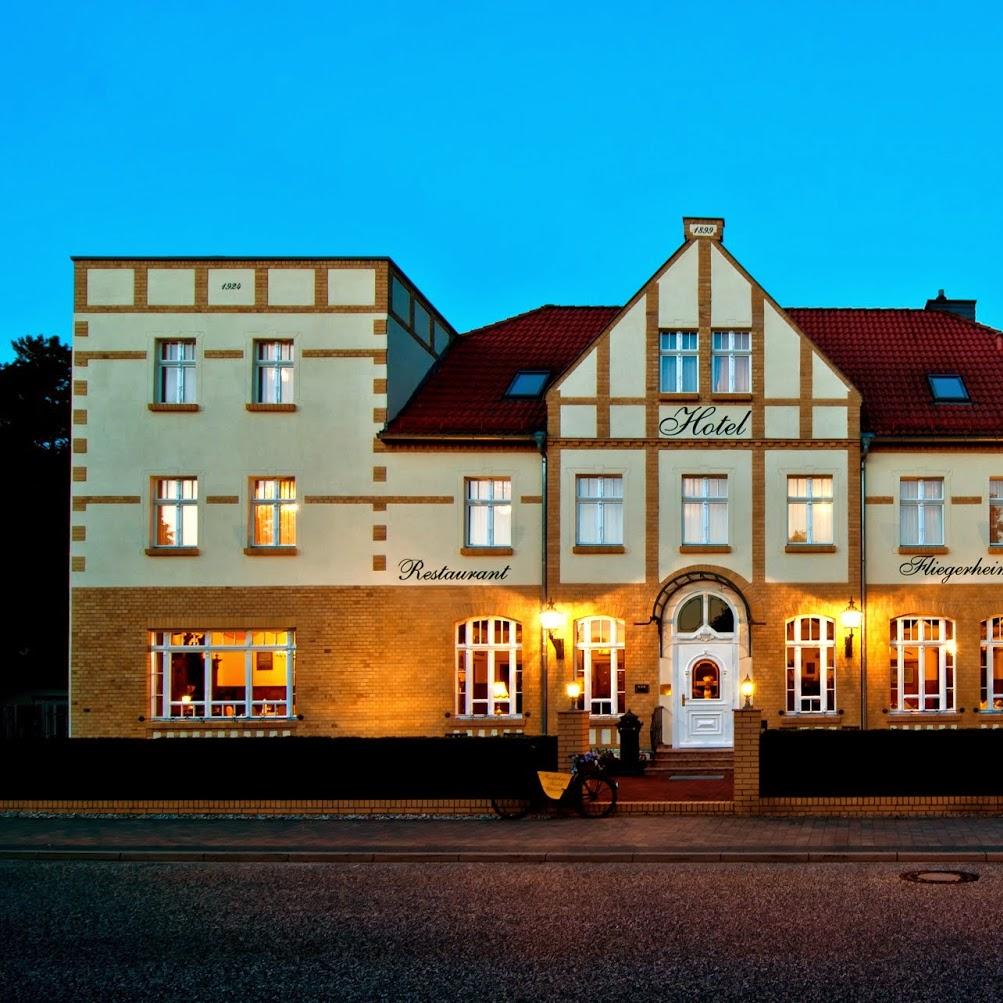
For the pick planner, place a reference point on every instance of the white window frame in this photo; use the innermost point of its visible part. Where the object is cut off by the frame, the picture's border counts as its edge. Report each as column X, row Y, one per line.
column 180, row 502
column 921, row 502
column 182, row 363
column 162, row 648
column 276, row 356
column 990, row 701
column 466, row 650
column 996, row 507
column 603, row 502
column 679, row 345
column 725, row 352
column 947, row 683
column 584, row 648
column 498, row 497
column 705, row 501
column 277, row 502
column 809, row 501
column 825, row 702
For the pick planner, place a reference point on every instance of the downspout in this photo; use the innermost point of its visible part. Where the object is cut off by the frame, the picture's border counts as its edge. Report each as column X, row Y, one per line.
column 540, row 438
column 866, row 439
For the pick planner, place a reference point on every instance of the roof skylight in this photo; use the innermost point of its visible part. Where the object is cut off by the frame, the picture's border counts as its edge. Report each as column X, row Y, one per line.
column 528, row 383
column 948, row 388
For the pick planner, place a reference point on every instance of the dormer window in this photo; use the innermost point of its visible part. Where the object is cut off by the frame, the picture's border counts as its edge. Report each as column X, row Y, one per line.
column 528, row 383
column 948, row 388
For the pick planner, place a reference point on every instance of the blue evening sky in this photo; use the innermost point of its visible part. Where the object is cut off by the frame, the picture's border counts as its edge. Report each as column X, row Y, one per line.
column 508, row 155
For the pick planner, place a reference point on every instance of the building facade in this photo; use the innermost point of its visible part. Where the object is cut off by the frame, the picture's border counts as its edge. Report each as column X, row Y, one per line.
column 304, row 505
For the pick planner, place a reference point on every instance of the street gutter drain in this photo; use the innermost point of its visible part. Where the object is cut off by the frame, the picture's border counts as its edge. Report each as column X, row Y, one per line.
column 940, row 877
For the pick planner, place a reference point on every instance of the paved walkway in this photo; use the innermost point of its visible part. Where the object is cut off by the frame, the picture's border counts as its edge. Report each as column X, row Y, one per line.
column 626, row 838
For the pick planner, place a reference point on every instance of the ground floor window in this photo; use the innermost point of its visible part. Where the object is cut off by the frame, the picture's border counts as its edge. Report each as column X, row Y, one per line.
column 922, row 664
column 811, row 677
column 488, row 667
column 991, row 697
column 223, row 673
column 600, row 665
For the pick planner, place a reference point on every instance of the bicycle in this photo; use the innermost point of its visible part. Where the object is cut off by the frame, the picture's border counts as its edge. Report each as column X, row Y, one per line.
column 589, row 790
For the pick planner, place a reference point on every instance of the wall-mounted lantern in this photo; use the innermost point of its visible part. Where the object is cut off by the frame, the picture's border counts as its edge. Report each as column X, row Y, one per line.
column 850, row 618
column 552, row 619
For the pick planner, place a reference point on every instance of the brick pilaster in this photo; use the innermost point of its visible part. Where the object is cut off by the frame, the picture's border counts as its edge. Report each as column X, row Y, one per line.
column 747, row 728
column 572, row 736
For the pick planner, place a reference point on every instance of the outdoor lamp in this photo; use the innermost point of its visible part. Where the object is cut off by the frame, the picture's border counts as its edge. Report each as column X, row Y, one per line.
column 574, row 691
column 748, row 687
column 850, row 618
column 552, row 619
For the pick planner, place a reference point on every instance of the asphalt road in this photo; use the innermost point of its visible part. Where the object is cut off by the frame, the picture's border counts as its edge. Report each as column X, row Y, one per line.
column 106, row 931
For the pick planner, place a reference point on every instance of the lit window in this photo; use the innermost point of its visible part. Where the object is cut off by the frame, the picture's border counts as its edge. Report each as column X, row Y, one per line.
column 677, row 362
column 175, row 372
column 489, row 667
column 811, row 676
column 809, row 510
column 705, row 510
column 273, row 372
column 175, row 512
column 921, row 512
column 222, row 673
column 528, row 383
column 948, row 388
column 996, row 511
column 991, row 658
column 600, row 665
column 599, row 510
column 731, row 362
column 489, row 512
column 922, row 664
column 273, row 512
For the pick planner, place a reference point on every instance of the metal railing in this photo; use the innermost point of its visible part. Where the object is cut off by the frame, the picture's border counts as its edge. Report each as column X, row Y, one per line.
column 656, row 727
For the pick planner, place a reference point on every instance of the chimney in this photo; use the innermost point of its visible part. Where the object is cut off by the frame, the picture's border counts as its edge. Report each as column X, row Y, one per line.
column 963, row 308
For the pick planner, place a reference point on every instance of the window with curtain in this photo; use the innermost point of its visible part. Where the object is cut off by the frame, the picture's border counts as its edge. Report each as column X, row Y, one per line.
column 489, row 667
column 678, row 362
column 176, row 513
column 176, row 372
column 731, row 362
column 273, row 512
column 991, row 665
column 811, row 676
column 599, row 510
column 705, row 510
column 996, row 511
column 921, row 511
column 922, row 664
column 273, row 372
column 600, row 665
column 489, row 512
column 809, row 510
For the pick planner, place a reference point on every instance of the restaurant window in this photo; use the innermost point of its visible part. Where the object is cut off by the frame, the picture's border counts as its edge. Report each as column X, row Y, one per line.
column 223, row 673
column 175, row 512
column 922, row 664
column 991, row 659
column 273, row 372
column 809, row 510
column 996, row 512
column 489, row 667
column 176, row 372
column 600, row 665
column 921, row 512
column 731, row 362
column 811, row 676
column 489, row 512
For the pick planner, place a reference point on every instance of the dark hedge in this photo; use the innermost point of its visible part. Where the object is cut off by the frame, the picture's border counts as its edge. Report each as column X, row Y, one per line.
column 271, row 768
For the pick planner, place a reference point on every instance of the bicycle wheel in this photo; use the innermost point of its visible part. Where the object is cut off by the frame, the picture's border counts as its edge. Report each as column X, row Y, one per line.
column 596, row 797
column 511, row 807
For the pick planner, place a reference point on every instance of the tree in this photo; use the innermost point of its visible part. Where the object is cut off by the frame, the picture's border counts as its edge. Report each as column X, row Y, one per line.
column 34, row 511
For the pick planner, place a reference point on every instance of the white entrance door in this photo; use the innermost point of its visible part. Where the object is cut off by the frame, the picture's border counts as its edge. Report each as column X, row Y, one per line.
column 705, row 695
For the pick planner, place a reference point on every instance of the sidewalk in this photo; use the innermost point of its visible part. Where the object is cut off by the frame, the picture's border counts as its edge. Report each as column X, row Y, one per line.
column 711, row 839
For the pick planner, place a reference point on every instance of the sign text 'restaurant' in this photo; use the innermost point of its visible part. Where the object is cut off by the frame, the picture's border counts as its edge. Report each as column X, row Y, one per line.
column 413, row 569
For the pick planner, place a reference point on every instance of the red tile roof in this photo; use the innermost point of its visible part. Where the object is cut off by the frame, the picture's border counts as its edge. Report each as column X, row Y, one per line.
column 886, row 354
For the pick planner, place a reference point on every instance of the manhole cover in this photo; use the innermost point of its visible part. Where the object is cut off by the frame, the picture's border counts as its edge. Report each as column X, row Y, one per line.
column 940, row 877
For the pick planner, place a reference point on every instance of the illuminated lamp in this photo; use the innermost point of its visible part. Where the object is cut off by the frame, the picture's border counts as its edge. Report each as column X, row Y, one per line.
column 552, row 619
column 851, row 619
column 574, row 691
column 747, row 688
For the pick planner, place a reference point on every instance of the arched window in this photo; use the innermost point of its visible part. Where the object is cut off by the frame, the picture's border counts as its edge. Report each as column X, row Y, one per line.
column 922, row 664
column 488, row 667
column 600, row 665
column 811, row 676
column 992, row 664
column 705, row 611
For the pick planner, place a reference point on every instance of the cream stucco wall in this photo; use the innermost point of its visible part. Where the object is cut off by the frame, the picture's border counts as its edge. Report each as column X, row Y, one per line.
column 626, row 352
column 111, row 286
column 677, row 292
column 781, row 355
column 731, row 293
column 825, row 381
column 581, row 381
column 170, row 286
column 578, row 421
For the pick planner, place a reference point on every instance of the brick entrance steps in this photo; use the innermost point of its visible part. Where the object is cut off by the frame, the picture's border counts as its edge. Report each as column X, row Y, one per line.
column 694, row 762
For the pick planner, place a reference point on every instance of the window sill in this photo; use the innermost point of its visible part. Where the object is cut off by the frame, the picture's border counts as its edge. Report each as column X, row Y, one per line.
column 271, row 551
column 705, row 548
column 996, row 548
column 172, row 551
column 731, row 397
column 188, row 408
column 924, row 715
column 220, row 722
column 586, row 549
column 507, row 718
column 924, row 550
column 810, row 548
column 669, row 398
column 486, row 551
column 280, row 408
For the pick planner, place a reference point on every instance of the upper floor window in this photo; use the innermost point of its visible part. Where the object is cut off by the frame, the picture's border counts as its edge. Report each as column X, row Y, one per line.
column 705, row 510
column 678, row 362
column 528, row 383
column 991, row 657
column 489, row 512
column 273, row 372
column 731, row 362
column 273, row 512
column 599, row 510
column 996, row 511
column 921, row 511
column 175, row 512
column 922, row 664
column 811, row 676
column 809, row 510
column 948, row 388
column 600, row 665
column 176, row 372
column 488, row 667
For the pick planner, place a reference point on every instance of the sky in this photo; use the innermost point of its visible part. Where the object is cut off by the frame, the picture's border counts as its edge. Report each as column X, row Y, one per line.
column 508, row 155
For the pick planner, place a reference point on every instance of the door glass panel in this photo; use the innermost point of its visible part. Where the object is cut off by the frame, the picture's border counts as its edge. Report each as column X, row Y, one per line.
column 719, row 615
column 706, row 681
column 690, row 616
